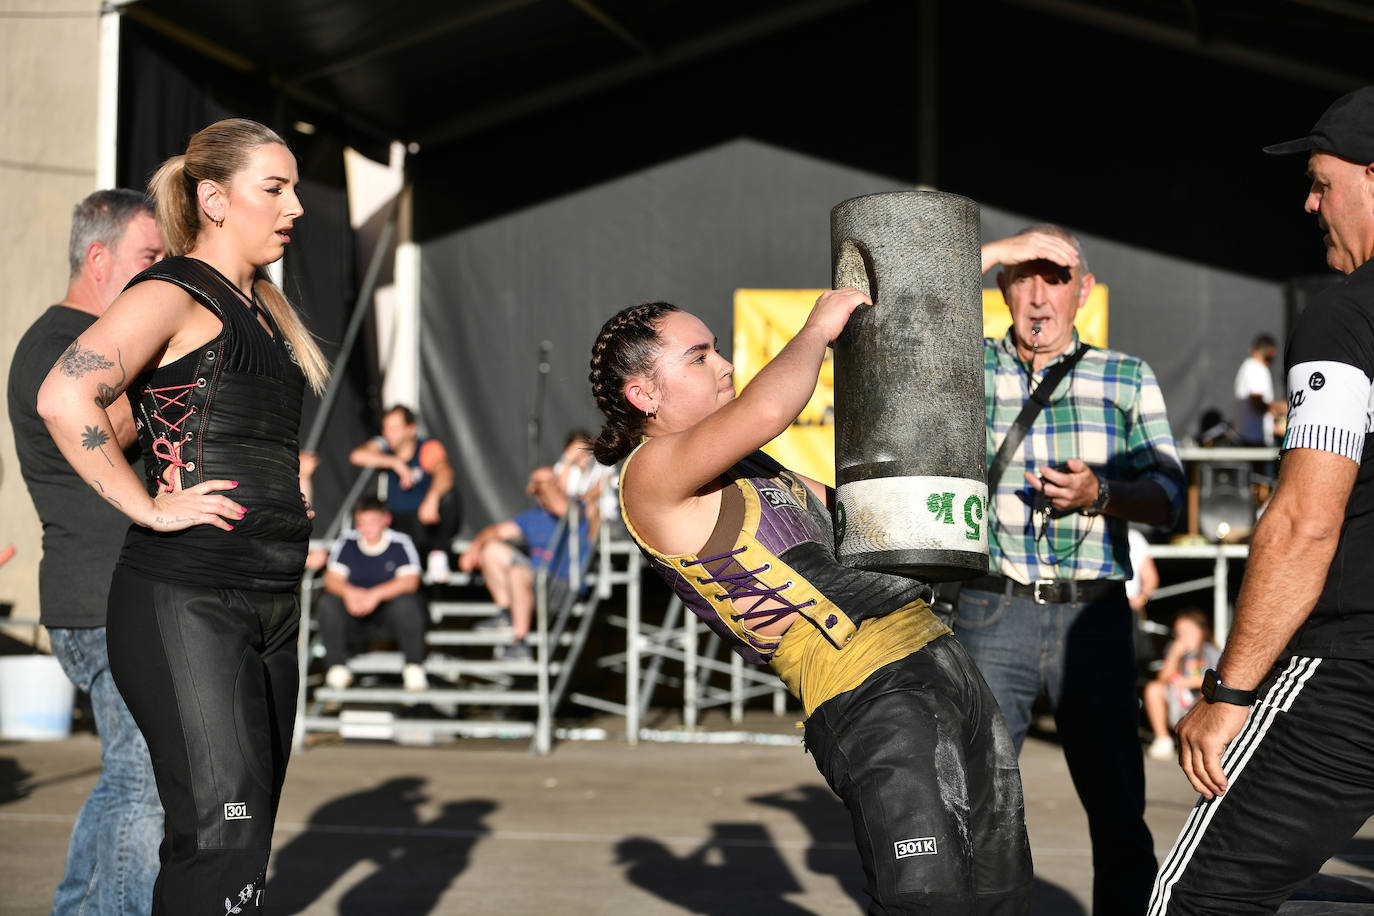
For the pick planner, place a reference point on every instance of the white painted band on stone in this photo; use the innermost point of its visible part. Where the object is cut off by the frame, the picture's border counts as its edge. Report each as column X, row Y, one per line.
column 913, row 513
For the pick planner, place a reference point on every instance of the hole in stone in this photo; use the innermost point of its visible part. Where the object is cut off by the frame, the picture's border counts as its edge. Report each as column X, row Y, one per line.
column 854, row 268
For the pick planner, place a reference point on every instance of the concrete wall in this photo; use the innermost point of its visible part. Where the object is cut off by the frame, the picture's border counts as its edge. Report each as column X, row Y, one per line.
column 48, row 96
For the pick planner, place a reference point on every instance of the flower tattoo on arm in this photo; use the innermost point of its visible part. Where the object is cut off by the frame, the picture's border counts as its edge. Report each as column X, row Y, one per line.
column 76, row 362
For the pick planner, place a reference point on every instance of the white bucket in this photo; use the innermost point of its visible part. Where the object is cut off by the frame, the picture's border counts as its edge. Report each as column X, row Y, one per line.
column 36, row 699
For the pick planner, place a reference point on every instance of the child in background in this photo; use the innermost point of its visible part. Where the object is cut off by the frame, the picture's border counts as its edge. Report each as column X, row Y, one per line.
column 372, row 591
column 1176, row 687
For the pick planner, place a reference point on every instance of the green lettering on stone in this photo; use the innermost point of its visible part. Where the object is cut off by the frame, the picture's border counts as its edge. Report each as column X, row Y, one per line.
column 941, row 505
column 973, row 506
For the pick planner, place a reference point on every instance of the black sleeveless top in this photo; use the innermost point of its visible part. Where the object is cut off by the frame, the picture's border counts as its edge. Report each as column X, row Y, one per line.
column 228, row 410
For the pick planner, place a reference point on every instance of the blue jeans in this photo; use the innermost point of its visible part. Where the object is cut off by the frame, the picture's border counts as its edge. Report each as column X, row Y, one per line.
column 112, row 861
column 1080, row 654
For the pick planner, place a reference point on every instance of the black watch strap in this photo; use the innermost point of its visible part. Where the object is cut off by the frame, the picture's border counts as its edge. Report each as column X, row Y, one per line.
column 1214, row 691
column 1104, row 495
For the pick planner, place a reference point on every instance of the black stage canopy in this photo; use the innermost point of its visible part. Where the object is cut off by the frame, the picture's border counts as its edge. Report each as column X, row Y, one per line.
column 1118, row 116
column 1136, row 122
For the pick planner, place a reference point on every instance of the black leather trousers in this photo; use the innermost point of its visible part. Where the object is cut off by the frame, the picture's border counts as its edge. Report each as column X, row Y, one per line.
column 921, row 758
column 210, row 677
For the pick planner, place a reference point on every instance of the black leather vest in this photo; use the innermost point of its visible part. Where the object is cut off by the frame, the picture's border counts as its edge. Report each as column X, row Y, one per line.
column 228, row 410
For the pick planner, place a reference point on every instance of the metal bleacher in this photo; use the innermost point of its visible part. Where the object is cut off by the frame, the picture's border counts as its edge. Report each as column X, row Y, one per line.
column 471, row 692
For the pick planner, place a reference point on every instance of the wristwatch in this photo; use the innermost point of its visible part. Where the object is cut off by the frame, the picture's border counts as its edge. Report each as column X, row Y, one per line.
column 1104, row 493
column 1214, row 691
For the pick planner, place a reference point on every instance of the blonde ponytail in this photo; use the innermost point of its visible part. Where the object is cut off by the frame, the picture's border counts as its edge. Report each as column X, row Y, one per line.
column 178, row 213
column 298, row 337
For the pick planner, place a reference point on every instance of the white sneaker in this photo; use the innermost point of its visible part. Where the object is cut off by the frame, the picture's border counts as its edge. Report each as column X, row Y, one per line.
column 413, row 676
column 437, row 568
column 1162, row 749
column 338, row 677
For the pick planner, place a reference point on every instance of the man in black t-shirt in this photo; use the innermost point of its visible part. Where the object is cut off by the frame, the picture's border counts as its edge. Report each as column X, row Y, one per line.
column 1282, row 748
column 113, row 857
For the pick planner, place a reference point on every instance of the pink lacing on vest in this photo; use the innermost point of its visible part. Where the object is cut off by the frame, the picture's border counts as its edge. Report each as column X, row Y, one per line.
column 743, row 584
column 164, row 447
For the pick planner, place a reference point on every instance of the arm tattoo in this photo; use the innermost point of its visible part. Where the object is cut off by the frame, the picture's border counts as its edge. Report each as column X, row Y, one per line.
column 76, row 362
column 107, row 394
column 95, row 438
column 114, row 502
column 109, row 499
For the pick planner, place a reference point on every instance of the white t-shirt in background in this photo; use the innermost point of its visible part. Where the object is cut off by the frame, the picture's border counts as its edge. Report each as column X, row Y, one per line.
column 1255, row 426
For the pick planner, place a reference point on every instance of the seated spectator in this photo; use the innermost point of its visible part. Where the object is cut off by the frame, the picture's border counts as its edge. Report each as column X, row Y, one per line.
column 509, row 552
column 575, row 475
column 1142, row 584
column 1144, row 574
column 1175, row 688
column 372, row 591
column 419, row 485
column 316, row 558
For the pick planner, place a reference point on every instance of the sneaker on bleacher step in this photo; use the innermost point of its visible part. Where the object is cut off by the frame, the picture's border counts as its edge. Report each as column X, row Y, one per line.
column 498, row 621
column 338, row 677
column 413, row 677
column 516, row 652
column 437, row 568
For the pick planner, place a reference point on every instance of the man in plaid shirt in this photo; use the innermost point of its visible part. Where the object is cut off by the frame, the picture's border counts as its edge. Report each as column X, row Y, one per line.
column 1053, row 614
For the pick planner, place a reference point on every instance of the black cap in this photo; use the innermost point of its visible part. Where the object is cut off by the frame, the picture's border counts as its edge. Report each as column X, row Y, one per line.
column 1346, row 129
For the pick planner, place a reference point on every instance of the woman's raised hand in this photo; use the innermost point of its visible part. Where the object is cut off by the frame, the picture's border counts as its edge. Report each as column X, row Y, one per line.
column 832, row 310
column 198, row 505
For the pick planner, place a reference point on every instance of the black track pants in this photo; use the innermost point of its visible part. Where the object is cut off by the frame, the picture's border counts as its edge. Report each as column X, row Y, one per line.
column 210, row 677
column 921, row 758
column 1300, row 782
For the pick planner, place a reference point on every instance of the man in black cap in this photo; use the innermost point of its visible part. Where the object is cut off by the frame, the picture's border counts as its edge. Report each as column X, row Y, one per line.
column 1282, row 749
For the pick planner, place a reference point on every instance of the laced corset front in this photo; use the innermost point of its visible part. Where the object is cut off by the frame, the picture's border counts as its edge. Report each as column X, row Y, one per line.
column 741, row 584
column 169, row 402
column 772, row 555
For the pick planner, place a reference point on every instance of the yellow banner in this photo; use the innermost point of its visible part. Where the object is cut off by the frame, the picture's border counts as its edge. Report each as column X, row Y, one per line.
column 766, row 319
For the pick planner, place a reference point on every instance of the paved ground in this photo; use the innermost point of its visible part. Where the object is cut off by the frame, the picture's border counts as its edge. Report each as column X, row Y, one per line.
column 481, row 827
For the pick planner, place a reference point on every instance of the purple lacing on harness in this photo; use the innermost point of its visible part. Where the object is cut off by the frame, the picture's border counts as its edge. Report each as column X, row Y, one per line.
column 743, row 584
column 163, row 446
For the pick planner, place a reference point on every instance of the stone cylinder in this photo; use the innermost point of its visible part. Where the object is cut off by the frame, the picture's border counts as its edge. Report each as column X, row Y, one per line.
column 910, row 433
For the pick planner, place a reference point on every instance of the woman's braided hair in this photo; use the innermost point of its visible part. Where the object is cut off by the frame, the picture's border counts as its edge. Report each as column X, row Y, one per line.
column 626, row 347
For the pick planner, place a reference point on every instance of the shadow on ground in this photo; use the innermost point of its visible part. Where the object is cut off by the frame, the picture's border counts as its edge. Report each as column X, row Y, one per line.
column 415, row 859
column 832, row 851
column 1052, row 900
column 736, row 870
column 14, row 780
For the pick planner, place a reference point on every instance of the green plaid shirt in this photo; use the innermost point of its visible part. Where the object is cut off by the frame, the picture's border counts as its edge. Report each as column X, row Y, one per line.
column 1109, row 412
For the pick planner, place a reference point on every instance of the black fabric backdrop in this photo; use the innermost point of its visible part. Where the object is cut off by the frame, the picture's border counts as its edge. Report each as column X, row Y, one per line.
column 166, row 95
column 719, row 173
column 691, row 231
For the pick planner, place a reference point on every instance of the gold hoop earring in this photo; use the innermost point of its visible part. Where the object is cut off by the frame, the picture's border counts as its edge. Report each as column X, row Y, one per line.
column 219, row 223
